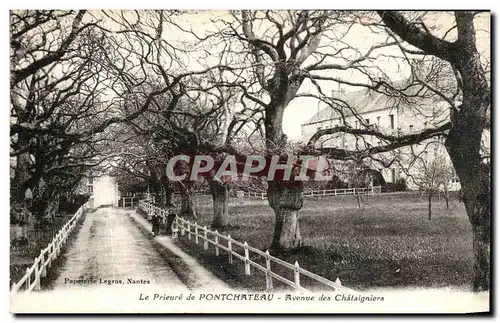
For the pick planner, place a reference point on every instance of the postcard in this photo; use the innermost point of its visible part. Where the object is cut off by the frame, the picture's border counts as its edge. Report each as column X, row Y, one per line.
column 250, row 161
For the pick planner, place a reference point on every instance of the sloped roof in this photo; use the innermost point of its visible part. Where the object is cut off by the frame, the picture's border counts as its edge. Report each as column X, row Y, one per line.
column 362, row 101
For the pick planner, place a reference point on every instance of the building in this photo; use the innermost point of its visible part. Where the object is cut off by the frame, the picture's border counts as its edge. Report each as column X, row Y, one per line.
column 364, row 109
column 103, row 190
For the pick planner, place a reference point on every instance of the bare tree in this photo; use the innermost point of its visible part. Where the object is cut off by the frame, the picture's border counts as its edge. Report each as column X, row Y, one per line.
column 468, row 121
column 432, row 177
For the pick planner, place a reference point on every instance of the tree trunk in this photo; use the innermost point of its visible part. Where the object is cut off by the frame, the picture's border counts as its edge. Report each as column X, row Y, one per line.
column 285, row 198
column 463, row 143
column 469, row 120
column 163, row 198
column 286, row 203
column 429, row 197
column 481, row 245
column 169, row 197
column 187, row 207
column 21, row 171
column 220, row 197
column 447, row 199
column 168, row 191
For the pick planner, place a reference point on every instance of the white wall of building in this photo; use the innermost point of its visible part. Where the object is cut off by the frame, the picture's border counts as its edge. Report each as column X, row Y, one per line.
column 105, row 191
column 405, row 121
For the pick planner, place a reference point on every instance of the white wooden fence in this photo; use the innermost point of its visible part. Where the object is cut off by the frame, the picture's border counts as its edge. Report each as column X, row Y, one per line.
column 331, row 192
column 230, row 246
column 127, row 201
column 150, row 209
column 31, row 280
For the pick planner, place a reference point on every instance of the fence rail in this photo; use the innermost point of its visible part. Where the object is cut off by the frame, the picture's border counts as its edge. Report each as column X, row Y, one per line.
column 331, row 192
column 31, row 280
column 228, row 244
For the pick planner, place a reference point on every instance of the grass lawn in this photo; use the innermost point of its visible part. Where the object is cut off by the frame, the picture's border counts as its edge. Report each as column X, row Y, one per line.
column 389, row 242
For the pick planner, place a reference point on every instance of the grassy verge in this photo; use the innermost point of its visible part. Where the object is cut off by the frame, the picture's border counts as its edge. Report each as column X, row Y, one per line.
column 22, row 258
column 55, row 270
column 389, row 242
column 175, row 262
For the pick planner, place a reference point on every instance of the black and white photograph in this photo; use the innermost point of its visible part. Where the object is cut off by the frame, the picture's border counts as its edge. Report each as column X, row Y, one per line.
column 250, row 161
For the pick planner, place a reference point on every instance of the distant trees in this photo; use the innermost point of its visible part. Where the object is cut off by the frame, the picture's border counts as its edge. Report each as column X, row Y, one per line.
column 432, row 177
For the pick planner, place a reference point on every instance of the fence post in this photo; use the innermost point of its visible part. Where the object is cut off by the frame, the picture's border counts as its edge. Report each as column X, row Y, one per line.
column 269, row 278
column 37, row 275
column 54, row 247
column 216, row 242
column 247, row 259
column 42, row 259
column 337, row 281
column 29, row 278
column 297, row 276
column 183, row 229
column 65, row 235
column 56, row 241
column 335, row 192
column 205, row 238
column 49, row 255
column 175, row 228
column 196, row 232
column 189, row 230
column 324, row 192
column 262, row 196
column 229, row 249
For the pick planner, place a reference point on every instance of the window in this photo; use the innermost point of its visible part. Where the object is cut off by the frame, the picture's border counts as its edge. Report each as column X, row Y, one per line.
column 367, row 122
column 356, row 124
column 411, row 128
column 90, row 188
column 391, row 118
column 378, row 121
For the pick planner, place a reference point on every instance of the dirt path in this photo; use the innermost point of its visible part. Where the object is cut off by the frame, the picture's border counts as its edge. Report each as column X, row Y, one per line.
column 111, row 250
column 203, row 280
